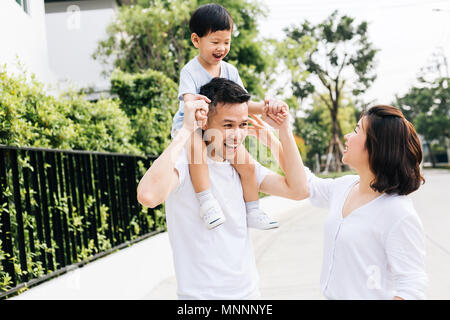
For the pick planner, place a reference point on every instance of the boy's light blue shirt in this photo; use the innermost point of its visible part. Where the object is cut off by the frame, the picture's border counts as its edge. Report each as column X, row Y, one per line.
column 192, row 77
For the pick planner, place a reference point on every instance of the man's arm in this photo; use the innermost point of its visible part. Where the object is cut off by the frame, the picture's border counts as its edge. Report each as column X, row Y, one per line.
column 293, row 185
column 162, row 177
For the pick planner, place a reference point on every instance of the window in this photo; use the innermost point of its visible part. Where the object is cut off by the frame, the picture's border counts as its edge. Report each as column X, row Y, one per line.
column 24, row 5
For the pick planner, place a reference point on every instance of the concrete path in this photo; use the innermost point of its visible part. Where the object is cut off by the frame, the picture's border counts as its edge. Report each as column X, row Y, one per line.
column 288, row 258
column 432, row 202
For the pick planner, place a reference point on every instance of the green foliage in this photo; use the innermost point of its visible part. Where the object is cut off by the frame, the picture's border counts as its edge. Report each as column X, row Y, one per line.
column 151, row 89
column 150, row 100
column 78, row 225
column 427, row 106
column 334, row 175
column 155, row 35
column 339, row 50
column 294, row 53
column 315, row 127
column 100, row 126
column 31, row 117
column 152, row 36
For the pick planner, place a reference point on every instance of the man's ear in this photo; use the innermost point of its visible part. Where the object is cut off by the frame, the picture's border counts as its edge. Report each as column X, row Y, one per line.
column 195, row 39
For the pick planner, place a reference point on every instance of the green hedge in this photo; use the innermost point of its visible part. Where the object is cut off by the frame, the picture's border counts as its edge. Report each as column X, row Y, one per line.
column 150, row 101
column 31, row 117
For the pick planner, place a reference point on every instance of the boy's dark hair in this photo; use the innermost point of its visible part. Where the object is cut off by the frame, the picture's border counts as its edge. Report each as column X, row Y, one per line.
column 221, row 90
column 394, row 151
column 208, row 18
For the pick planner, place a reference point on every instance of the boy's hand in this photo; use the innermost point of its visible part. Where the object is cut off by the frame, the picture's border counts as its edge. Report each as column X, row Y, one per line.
column 195, row 112
column 275, row 112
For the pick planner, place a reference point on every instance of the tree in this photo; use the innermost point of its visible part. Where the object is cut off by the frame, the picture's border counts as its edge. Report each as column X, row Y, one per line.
column 342, row 59
column 150, row 100
column 142, row 38
column 315, row 127
column 155, row 35
column 427, row 106
column 30, row 117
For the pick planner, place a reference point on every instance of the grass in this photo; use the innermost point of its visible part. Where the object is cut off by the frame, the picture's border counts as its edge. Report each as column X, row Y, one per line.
column 335, row 174
column 442, row 166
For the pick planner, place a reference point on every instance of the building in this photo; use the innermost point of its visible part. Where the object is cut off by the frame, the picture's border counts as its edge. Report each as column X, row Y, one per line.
column 55, row 39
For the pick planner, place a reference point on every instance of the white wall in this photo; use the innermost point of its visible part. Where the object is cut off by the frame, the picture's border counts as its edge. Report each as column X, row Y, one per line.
column 72, row 38
column 24, row 35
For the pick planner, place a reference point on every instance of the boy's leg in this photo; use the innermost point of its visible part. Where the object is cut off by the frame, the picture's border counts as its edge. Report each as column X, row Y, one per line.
column 210, row 210
column 245, row 166
column 198, row 168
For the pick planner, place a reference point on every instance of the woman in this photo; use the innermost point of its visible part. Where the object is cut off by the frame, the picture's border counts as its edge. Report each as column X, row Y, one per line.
column 374, row 240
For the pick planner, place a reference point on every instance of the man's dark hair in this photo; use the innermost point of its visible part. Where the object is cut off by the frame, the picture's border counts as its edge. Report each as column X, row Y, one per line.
column 221, row 90
column 210, row 18
column 394, row 151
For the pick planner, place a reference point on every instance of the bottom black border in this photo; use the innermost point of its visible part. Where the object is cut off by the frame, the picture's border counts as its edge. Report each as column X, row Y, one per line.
column 255, row 309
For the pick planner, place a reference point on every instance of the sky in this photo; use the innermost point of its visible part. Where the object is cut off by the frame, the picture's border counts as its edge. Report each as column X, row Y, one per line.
column 406, row 32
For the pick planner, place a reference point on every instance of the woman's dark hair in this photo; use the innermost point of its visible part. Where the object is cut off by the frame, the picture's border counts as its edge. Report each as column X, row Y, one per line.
column 210, row 18
column 395, row 151
column 221, row 90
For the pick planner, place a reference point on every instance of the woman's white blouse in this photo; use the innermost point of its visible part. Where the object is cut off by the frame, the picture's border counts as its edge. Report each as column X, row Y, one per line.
column 376, row 252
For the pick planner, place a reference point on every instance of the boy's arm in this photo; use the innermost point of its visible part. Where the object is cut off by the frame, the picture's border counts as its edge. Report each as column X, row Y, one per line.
column 255, row 107
column 162, row 177
column 189, row 97
column 294, row 184
column 270, row 109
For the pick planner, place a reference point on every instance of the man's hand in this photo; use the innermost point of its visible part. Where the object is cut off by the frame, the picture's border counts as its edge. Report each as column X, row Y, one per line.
column 195, row 111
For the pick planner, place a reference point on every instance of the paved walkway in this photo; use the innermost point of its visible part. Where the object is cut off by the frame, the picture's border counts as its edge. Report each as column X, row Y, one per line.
column 288, row 258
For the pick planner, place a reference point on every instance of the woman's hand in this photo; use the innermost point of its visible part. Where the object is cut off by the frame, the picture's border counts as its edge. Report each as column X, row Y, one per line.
column 259, row 130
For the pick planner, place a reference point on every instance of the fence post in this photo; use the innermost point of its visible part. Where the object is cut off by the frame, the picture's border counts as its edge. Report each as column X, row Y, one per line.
column 5, row 222
column 19, row 216
column 48, row 194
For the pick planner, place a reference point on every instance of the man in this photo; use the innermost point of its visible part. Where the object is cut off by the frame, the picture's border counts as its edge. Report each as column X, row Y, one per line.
column 217, row 263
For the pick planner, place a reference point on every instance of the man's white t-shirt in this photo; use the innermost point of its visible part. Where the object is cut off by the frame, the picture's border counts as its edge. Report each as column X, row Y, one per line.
column 217, row 263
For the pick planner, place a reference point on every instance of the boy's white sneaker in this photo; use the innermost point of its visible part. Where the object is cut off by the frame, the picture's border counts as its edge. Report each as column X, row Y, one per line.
column 258, row 219
column 211, row 213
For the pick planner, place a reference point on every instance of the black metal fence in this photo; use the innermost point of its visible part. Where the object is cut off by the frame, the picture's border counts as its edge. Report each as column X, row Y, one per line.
column 59, row 208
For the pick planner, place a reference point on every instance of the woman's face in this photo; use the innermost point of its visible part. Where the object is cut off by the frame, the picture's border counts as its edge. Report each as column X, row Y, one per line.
column 355, row 152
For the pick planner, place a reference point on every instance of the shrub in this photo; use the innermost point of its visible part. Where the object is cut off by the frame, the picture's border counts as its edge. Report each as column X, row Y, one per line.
column 31, row 117
column 150, row 100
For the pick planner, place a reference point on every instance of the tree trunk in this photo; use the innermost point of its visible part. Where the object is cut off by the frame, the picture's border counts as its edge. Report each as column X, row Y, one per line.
column 329, row 156
column 447, row 144
column 433, row 162
column 336, row 143
column 317, row 163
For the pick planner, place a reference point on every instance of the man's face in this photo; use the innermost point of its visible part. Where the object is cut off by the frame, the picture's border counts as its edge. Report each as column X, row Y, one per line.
column 226, row 129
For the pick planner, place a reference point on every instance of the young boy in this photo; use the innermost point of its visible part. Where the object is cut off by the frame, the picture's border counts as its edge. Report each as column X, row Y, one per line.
column 211, row 26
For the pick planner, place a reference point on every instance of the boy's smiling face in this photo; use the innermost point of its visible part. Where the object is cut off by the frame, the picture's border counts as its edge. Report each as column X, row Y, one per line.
column 213, row 47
